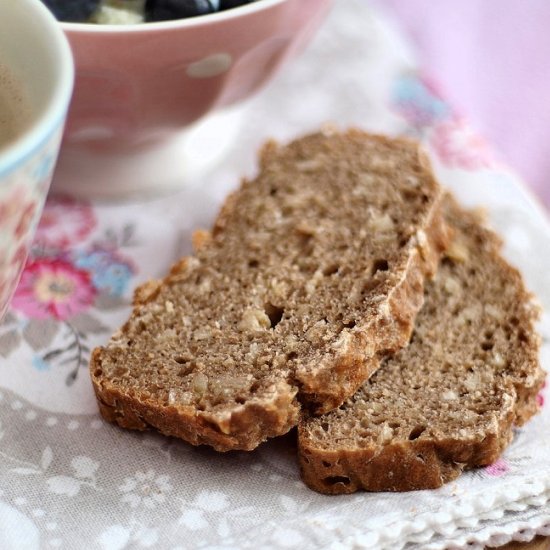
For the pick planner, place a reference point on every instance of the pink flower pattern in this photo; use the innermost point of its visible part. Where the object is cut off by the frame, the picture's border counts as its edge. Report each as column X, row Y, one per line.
column 53, row 288
column 18, row 210
column 457, row 146
column 498, row 468
column 69, row 277
column 64, row 222
column 430, row 118
column 15, row 263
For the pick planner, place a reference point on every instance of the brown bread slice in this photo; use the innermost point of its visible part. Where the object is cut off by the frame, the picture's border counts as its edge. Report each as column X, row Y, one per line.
column 311, row 269
column 449, row 400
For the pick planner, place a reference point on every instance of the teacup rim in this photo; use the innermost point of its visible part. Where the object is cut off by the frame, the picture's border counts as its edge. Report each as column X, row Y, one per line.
column 175, row 24
column 53, row 115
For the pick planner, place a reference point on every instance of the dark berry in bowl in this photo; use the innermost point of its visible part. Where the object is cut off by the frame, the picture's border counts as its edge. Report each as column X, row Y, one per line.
column 76, row 11
column 228, row 4
column 165, row 10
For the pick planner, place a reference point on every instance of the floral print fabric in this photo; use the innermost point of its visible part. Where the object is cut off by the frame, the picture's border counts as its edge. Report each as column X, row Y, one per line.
column 69, row 480
column 68, row 280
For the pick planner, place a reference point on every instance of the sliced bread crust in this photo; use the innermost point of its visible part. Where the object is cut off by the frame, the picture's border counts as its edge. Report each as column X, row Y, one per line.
column 311, row 270
column 447, row 402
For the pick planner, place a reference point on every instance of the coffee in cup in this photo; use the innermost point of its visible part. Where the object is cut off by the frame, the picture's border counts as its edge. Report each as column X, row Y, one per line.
column 14, row 111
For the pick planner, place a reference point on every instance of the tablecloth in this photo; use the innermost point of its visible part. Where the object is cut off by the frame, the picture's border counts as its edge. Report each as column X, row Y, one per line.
column 69, row 480
column 491, row 57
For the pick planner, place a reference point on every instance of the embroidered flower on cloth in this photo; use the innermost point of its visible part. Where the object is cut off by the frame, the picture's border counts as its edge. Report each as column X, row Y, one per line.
column 498, row 468
column 53, row 288
column 458, row 146
column 418, row 101
column 415, row 98
column 145, row 488
column 109, row 271
column 73, row 276
column 64, row 221
column 195, row 514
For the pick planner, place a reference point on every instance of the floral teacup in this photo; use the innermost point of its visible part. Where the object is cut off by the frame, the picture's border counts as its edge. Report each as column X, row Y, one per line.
column 38, row 56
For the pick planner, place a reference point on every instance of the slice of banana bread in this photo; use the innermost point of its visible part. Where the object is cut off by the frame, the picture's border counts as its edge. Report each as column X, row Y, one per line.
column 311, row 269
column 449, row 400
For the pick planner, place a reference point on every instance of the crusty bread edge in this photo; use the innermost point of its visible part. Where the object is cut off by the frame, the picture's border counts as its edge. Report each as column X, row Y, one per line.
column 390, row 329
column 428, row 464
column 243, row 428
column 400, row 466
column 412, row 465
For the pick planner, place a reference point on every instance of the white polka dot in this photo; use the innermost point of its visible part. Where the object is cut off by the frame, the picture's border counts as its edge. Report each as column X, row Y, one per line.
column 51, row 421
column 55, row 542
column 51, row 526
column 30, row 415
column 20, row 501
column 17, row 405
column 1, row 396
column 73, row 425
column 288, row 538
column 210, row 66
column 257, row 467
column 275, row 477
column 38, row 513
column 96, row 424
column 91, row 133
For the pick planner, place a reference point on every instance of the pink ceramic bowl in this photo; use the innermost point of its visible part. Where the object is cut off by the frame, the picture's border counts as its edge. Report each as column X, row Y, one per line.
column 138, row 86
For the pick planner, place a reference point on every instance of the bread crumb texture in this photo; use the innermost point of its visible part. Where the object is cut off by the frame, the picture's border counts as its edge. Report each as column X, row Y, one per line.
column 449, row 400
column 311, row 270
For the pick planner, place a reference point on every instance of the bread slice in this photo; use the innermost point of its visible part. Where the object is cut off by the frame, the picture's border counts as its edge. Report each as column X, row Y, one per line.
column 311, row 269
column 449, row 400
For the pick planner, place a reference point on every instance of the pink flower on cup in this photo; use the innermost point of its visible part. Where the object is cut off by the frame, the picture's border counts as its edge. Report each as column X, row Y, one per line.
column 12, row 260
column 25, row 220
column 5, row 292
column 64, row 221
column 9, row 207
column 498, row 468
column 53, row 288
column 17, row 212
column 457, row 146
